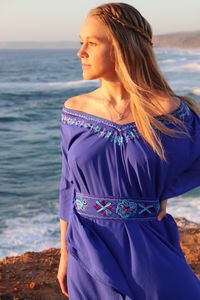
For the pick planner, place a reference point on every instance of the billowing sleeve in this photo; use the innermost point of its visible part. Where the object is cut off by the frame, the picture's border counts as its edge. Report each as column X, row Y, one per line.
column 183, row 172
column 66, row 189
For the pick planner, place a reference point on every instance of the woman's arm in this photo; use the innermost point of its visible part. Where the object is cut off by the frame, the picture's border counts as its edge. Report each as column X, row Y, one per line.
column 63, row 265
column 63, row 230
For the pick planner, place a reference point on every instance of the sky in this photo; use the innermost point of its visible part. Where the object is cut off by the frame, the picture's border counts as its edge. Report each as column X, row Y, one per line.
column 61, row 20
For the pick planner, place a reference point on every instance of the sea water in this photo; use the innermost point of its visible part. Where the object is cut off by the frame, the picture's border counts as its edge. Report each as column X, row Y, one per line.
column 34, row 84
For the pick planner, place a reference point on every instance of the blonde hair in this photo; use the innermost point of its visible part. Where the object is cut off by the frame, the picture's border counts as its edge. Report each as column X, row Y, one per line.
column 136, row 67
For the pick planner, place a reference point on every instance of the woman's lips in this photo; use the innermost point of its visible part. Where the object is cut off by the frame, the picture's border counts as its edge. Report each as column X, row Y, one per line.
column 85, row 66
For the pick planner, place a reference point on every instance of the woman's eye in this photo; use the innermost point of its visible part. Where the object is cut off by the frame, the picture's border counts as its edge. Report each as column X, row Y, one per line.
column 89, row 43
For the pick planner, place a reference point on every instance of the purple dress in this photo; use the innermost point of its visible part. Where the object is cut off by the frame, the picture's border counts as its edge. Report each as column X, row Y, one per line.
column 139, row 257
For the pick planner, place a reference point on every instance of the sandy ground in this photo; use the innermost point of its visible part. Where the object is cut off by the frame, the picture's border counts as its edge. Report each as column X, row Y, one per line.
column 33, row 275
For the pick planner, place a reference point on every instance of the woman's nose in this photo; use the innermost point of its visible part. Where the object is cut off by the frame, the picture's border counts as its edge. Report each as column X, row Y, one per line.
column 82, row 53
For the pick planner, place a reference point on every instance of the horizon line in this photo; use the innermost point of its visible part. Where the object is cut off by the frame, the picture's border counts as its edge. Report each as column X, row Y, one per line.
column 75, row 41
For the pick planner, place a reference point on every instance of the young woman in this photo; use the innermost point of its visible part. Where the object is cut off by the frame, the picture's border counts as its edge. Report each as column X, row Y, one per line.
column 127, row 147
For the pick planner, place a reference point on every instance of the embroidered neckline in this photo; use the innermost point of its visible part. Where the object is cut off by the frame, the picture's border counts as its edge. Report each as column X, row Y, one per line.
column 108, row 130
column 113, row 124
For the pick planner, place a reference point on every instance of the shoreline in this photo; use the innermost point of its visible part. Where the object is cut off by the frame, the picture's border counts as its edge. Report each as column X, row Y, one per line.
column 33, row 275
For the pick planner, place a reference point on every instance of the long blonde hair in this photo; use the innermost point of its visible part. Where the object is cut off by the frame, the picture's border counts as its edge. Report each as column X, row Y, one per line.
column 136, row 67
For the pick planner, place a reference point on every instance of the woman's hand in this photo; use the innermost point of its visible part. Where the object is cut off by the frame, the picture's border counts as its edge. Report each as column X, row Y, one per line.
column 162, row 213
column 62, row 273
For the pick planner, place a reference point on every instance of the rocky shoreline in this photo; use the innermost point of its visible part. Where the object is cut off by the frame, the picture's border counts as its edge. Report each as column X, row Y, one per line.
column 33, row 275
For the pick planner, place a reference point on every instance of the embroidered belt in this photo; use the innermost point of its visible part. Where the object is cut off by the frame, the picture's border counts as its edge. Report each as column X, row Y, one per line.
column 116, row 208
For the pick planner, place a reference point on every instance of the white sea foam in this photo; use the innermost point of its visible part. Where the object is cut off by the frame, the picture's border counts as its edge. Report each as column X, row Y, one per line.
column 196, row 91
column 69, row 84
column 166, row 61
column 45, row 86
column 193, row 52
column 187, row 207
column 30, row 234
column 177, row 85
column 190, row 67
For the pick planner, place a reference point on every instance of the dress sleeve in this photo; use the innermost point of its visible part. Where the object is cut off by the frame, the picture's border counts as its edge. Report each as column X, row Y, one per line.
column 184, row 175
column 66, row 190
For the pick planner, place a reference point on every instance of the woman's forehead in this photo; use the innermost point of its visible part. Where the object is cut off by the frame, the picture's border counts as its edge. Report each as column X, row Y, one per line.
column 92, row 28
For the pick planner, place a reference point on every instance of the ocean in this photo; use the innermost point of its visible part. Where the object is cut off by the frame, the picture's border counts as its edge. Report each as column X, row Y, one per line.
column 34, row 84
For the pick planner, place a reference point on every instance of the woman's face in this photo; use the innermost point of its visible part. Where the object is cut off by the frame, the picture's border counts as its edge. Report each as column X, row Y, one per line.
column 96, row 51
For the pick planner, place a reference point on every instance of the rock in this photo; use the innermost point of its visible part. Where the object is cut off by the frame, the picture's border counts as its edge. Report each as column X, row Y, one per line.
column 32, row 285
column 33, row 275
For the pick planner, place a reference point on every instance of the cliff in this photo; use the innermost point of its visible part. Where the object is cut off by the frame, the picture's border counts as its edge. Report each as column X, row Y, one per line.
column 190, row 39
column 34, row 275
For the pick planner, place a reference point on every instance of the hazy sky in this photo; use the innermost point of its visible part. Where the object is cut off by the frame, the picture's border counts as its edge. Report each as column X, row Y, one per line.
column 61, row 20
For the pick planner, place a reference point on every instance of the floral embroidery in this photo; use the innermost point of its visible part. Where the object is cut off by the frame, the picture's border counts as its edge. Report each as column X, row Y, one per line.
column 115, row 133
column 103, row 132
column 126, row 208
column 81, row 204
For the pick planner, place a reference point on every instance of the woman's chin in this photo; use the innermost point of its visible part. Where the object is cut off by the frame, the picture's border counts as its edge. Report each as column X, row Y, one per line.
column 88, row 76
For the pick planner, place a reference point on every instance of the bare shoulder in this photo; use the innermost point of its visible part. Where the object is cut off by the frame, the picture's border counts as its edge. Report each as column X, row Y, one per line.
column 80, row 102
column 173, row 104
column 73, row 102
column 169, row 104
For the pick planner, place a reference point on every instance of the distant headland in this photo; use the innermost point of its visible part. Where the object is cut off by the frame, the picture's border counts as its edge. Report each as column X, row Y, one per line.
column 190, row 39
